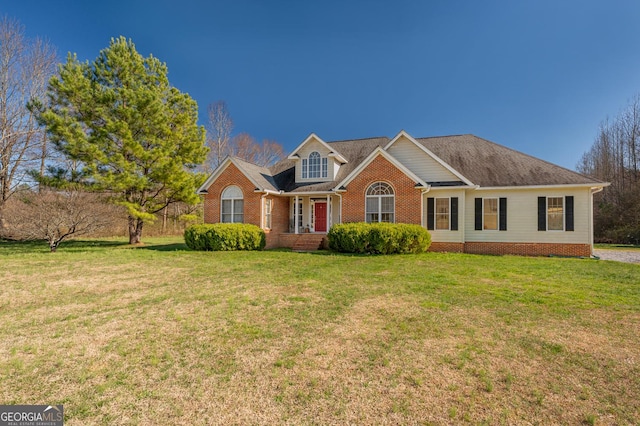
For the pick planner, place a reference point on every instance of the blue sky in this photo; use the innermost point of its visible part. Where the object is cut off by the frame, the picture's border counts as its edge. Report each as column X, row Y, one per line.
column 537, row 76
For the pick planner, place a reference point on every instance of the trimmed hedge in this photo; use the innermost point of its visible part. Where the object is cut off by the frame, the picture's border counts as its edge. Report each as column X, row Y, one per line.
column 224, row 236
column 378, row 238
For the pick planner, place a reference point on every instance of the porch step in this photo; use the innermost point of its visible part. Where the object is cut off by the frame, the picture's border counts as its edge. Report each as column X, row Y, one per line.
column 308, row 242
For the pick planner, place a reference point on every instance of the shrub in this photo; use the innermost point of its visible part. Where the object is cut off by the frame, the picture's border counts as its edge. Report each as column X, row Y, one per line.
column 378, row 238
column 224, row 236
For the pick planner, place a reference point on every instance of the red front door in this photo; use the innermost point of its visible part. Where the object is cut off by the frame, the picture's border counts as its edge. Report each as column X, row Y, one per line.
column 321, row 217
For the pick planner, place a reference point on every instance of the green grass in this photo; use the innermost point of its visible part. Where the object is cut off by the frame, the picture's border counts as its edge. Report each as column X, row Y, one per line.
column 162, row 335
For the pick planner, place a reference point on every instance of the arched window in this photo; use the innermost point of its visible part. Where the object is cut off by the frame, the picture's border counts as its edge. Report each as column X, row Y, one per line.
column 314, row 165
column 232, row 204
column 380, row 203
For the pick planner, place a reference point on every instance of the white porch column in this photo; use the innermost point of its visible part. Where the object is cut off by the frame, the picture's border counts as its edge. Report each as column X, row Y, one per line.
column 328, row 212
column 295, row 214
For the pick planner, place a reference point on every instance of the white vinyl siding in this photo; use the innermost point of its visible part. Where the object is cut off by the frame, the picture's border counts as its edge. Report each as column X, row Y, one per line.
column 326, row 167
column 523, row 216
column 420, row 163
column 446, row 235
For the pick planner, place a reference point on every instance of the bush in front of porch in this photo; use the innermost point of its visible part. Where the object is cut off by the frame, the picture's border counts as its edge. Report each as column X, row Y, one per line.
column 378, row 238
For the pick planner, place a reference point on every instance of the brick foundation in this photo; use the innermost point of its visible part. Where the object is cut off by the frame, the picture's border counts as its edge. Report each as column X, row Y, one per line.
column 529, row 249
column 447, row 247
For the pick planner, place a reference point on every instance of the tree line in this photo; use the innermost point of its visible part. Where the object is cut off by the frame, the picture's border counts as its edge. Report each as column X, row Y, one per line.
column 615, row 157
column 104, row 139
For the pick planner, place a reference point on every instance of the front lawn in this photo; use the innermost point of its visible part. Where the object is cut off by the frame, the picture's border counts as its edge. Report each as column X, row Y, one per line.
column 162, row 335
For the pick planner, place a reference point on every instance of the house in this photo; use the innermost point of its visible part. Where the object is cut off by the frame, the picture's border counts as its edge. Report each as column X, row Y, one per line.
column 473, row 195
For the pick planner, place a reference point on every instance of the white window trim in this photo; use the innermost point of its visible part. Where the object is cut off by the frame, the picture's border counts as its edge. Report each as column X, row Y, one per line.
column 564, row 212
column 435, row 214
column 268, row 212
column 497, row 213
column 379, row 197
column 232, row 199
column 305, row 167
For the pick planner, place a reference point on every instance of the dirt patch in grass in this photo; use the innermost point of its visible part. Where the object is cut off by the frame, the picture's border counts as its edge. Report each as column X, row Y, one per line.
column 151, row 337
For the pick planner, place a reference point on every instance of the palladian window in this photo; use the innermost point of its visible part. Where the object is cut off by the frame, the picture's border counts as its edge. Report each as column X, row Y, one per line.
column 314, row 167
column 380, row 203
column 232, row 204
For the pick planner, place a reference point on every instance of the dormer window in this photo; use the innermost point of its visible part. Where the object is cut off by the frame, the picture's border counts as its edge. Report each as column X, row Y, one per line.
column 314, row 167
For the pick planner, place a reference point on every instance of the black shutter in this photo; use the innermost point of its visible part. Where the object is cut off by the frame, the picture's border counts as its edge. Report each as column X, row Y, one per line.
column 568, row 216
column 503, row 214
column 454, row 213
column 478, row 213
column 430, row 213
column 542, row 213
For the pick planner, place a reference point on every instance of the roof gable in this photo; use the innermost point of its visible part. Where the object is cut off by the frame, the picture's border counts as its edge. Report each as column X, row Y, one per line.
column 422, row 161
column 379, row 152
column 261, row 177
column 468, row 157
column 314, row 138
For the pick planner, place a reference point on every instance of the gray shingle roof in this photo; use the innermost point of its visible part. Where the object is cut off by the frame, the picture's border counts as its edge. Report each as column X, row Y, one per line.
column 482, row 162
column 260, row 175
column 489, row 164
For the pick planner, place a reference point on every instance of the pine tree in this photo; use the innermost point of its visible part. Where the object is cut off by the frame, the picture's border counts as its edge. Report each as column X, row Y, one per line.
column 135, row 135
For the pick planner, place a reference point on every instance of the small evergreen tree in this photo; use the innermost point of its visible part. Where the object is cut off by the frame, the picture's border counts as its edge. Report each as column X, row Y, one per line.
column 135, row 135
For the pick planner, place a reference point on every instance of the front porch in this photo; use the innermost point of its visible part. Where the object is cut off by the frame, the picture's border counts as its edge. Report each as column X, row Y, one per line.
column 313, row 213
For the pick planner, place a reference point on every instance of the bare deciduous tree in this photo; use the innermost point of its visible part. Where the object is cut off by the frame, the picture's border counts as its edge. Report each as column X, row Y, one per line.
column 220, row 143
column 265, row 154
column 615, row 157
column 54, row 216
column 219, row 127
column 25, row 68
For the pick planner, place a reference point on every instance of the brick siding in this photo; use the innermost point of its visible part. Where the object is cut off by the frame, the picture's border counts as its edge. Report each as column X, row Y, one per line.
column 279, row 221
column 407, row 210
column 232, row 176
column 407, row 197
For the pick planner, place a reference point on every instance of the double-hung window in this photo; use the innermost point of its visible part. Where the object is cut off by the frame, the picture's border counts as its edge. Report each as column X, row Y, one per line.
column 442, row 213
column 232, row 205
column 490, row 214
column 268, row 205
column 380, row 203
column 556, row 213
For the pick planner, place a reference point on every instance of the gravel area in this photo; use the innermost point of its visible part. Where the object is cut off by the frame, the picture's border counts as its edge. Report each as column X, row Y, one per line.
column 629, row 256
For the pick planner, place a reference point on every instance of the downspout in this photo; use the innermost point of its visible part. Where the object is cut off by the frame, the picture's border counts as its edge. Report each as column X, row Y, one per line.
column 593, row 191
column 422, row 192
column 339, row 207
